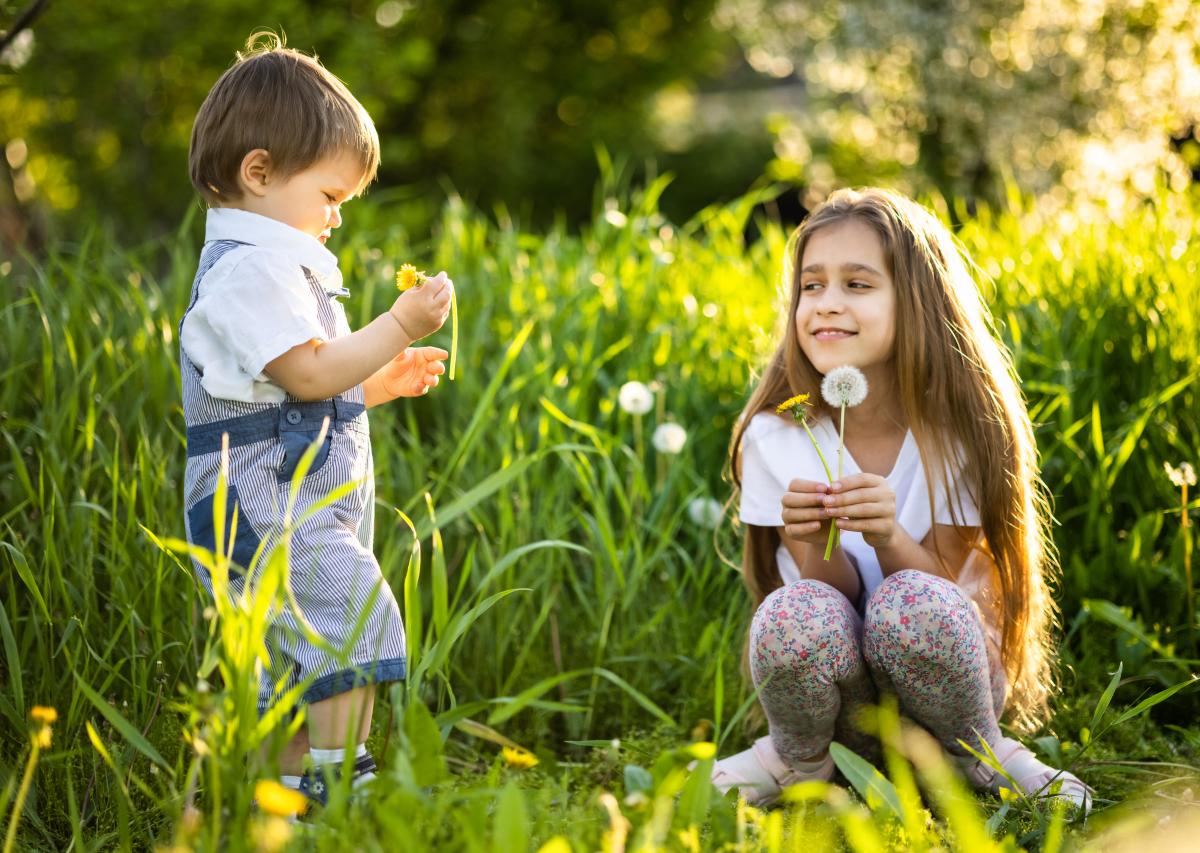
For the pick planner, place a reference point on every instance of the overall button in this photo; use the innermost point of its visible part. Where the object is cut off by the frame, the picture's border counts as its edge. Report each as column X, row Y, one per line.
column 293, row 416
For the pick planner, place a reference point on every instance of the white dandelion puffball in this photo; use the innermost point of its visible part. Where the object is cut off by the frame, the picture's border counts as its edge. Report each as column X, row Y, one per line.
column 669, row 438
column 636, row 398
column 844, row 386
column 704, row 512
column 1181, row 476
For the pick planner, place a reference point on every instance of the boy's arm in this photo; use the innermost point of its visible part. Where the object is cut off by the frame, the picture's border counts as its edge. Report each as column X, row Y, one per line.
column 318, row 370
column 373, row 393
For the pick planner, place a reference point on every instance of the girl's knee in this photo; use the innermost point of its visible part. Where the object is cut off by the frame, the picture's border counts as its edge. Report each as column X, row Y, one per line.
column 804, row 604
column 800, row 626
column 911, row 589
column 914, row 612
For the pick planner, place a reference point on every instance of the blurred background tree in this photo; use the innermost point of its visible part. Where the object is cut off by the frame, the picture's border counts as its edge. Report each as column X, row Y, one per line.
column 504, row 99
column 507, row 101
column 1066, row 98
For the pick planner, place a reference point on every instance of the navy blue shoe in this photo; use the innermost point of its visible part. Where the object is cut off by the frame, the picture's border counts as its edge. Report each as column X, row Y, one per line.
column 314, row 784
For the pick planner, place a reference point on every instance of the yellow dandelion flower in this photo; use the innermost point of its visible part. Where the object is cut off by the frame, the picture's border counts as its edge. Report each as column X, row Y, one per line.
column 272, row 835
column 42, row 736
column 274, row 798
column 43, row 714
column 409, row 276
column 522, row 759
column 689, row 838
column 796, row 405
column 557, row 844
column 701, row 751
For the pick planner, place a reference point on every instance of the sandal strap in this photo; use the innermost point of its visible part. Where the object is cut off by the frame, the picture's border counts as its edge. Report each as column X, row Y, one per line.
column 314, row 784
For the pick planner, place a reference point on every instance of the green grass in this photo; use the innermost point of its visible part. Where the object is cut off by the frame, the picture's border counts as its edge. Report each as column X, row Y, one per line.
column 560, row 598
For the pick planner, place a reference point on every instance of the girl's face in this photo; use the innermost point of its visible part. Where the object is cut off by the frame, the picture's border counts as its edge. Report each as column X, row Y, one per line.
column 847, row 308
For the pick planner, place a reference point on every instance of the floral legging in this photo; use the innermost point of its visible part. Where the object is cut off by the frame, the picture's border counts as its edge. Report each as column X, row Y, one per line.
column 818, row 663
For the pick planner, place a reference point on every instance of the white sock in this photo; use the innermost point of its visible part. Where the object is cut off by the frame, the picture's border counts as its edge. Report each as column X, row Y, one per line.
column 337, row 757
column 292, row 782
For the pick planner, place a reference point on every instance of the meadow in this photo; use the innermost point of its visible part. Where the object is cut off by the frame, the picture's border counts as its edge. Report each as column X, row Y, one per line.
column 563, row 592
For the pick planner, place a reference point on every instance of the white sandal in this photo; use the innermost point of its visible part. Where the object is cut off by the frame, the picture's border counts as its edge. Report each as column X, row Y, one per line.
column 1035, row 778
column 760, row 775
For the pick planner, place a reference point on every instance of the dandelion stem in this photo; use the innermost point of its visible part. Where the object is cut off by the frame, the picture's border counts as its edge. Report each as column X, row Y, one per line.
column 22, row 793
column 817, row 447
column 453, row 333
column 1187, row 570
column 833, row 528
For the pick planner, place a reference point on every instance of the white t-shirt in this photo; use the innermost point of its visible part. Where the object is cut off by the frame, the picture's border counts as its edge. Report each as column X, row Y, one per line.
column 776, row 451
column 255, row 304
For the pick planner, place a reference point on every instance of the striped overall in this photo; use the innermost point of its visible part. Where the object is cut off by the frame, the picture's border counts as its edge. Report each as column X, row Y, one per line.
column 334, row 574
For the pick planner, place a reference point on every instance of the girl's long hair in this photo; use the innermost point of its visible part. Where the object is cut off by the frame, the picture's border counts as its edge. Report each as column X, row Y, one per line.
column 956, row 381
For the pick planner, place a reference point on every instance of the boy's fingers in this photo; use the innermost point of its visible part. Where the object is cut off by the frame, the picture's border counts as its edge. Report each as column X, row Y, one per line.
column 434, row 353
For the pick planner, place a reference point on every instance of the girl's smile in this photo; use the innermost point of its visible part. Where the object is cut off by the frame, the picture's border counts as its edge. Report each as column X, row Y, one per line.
column 826, row 334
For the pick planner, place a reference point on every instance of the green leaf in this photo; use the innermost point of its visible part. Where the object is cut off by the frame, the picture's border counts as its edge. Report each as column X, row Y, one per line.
column 424, row 745
column 512, row 820
column 22, row 566
column 14, row 665
column 122, row 725
column 1106, row 697
column 871, row 785
column 489, row 486
column 1146, row 704
column 637, row 778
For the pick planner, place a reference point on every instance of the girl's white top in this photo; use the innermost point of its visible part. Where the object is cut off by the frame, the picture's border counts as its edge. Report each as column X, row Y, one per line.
column 776, row 451
column 255, row 304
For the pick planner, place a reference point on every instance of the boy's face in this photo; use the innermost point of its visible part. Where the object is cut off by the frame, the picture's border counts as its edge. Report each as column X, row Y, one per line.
column 309, row 200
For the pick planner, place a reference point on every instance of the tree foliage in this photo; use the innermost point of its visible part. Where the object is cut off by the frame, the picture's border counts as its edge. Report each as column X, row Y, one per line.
column 1062, row 96
column 507, row 99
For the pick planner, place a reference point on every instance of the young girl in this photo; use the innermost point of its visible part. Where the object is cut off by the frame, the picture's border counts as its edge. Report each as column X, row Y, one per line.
column 937, row 589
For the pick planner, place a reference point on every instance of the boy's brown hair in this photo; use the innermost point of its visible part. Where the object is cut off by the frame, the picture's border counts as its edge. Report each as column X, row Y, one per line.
column 283, row 101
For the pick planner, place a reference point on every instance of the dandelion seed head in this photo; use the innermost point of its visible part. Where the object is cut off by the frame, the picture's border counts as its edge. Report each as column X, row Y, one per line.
column 1184, row 475
column 844, row 386
column 635, row 398
column 669, row 438
column 705, row 512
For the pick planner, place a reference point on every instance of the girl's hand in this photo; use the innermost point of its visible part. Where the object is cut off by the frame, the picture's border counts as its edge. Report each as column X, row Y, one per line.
column 413, row 372
column 864, row 503
column 803, row 516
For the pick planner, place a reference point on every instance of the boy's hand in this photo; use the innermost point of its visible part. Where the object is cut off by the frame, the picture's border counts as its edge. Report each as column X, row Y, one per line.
column 421, row 311
column 413, row 372
column 803, row 518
